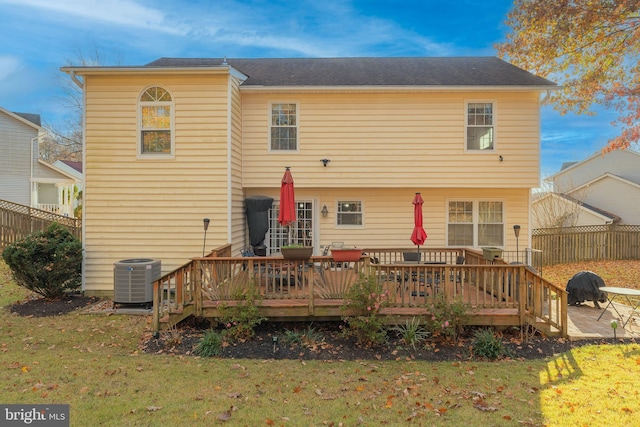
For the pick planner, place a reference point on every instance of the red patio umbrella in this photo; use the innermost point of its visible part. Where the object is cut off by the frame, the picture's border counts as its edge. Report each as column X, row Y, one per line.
column 419, row 235
column 287, row 213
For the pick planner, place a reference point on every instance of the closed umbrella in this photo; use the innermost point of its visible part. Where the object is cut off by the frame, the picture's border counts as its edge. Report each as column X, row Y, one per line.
column 287, row 213
column 419, row 235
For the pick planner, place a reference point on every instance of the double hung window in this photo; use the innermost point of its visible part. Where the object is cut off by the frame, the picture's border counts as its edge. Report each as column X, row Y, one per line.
column 284, row 127
column 350, row 213
column 475, row 223
column 480, row 126
column 155, row 122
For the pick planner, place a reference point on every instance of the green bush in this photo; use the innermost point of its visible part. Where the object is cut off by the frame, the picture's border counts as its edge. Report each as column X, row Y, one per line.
column 486, row 344
column 48, row 263
column 242, row 318
column 211, row 344
column 364, row 300
column 448, row 318
column 412, row 333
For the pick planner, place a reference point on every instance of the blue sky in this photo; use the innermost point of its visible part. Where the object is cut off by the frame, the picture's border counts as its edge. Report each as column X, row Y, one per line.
column 37, row 37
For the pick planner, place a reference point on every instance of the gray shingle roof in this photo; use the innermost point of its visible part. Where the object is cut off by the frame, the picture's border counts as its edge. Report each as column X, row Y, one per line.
column 33, row 118
column 405, row 71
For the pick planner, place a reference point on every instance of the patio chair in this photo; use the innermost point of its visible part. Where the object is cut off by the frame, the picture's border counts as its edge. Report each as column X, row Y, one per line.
column 459, row 276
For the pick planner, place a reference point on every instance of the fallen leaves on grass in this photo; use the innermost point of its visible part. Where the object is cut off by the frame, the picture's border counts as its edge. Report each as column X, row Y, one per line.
column 624, row 274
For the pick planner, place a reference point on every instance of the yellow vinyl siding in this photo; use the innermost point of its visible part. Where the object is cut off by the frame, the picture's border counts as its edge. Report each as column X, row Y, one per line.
column 238, row 226
column 388, row 213
column 421, row 135
column 153, row 208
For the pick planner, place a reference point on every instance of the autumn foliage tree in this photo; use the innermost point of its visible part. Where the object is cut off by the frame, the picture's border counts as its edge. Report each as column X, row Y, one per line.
column 590, row 47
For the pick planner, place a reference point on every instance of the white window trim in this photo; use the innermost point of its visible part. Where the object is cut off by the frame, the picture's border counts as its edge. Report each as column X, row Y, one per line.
column 494, row 104
column 349, row 226
column 155, row 156
column 269, row 149
column 476, row 214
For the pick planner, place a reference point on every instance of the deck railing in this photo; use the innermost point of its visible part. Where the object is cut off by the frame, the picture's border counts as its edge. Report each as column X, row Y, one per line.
column 212, row 280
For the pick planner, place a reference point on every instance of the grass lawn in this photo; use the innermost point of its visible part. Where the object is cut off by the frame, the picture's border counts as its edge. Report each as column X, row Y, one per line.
column 92, row 363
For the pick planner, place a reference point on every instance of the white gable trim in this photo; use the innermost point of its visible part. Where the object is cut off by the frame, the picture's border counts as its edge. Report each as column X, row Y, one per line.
column 581, row 207
column 579, row 164
column 602, row 177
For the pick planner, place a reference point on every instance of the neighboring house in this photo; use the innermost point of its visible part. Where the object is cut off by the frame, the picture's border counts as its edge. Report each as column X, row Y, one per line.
column 73, row 168
column 24, row 178
column 602, row 189
column 177, row 140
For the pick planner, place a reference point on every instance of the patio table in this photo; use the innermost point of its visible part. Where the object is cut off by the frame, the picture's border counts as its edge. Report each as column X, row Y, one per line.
column 626, row 293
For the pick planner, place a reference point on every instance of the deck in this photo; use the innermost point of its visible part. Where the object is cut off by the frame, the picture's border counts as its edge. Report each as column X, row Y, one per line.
column 498, row 294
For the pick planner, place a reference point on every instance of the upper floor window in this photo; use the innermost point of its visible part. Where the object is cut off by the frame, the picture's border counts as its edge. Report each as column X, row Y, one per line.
column 284, row 126
column 349, row 212
column 480, row 126
column 156, row 121
column 475, row 223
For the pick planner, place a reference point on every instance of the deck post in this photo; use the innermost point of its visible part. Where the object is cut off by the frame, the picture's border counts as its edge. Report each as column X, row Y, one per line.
column 564, row 310
column 197, row 286
column 155, row 324
column 310, row 290
column 522, row 294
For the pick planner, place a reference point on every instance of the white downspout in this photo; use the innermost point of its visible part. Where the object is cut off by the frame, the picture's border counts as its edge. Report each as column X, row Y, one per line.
column 76, row 80
column 33, row 192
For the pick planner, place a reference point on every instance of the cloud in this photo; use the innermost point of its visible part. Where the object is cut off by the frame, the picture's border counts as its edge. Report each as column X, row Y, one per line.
column 317, row 29
column 8, row 66
column 115, row 12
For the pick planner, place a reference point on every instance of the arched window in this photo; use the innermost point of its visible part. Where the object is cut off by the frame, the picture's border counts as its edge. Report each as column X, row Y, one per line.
column 156, row 122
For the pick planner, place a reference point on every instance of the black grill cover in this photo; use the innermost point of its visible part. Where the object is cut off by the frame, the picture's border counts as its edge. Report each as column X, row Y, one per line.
column 257, row 211
column 585, row 286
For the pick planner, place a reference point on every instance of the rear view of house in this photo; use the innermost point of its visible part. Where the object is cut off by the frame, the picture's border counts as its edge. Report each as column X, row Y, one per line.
column 178, row 140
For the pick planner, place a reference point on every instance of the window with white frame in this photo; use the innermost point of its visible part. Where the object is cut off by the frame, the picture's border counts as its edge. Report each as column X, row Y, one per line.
column 475, row 223
column 349, row 213
column 284, row 127
column 480, row 126
column 156, row 122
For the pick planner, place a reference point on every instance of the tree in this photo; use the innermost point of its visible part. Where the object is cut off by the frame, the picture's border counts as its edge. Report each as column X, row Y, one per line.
column 590, row 47
column 64, row 140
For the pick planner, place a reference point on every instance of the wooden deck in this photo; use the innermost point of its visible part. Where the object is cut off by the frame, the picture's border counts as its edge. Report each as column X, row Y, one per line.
column 497, row 294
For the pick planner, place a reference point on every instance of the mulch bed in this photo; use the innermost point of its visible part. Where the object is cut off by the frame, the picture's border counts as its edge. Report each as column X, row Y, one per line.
column 335, row 346
column 330, row 343
column 41, row 307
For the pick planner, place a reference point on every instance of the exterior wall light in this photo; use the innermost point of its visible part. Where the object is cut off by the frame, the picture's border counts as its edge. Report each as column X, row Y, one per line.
column 325, row 211
column 205, row 223
column 516, row 231
column 325, row 161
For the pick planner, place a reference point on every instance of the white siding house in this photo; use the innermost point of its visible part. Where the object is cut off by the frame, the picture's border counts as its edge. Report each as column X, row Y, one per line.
column 24, row 178
column 601, row 189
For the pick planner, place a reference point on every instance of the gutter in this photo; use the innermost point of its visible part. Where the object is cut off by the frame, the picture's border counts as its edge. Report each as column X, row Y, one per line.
column 75, row 79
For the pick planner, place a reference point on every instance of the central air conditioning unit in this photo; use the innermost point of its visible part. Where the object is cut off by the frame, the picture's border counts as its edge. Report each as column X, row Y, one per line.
column 133, row 280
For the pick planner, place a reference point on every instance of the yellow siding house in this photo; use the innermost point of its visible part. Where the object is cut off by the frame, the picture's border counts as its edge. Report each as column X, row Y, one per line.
column 178, row 140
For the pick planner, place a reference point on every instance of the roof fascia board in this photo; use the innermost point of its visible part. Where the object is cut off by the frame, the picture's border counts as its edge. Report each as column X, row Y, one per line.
column 56, row 169
column 95, row 71
column 404, row 88
column 603, row 176
column 580, row 206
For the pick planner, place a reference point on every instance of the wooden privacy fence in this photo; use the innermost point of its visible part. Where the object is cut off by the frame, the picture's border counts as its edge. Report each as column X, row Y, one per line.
column 587, row 243
column 18, row 221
